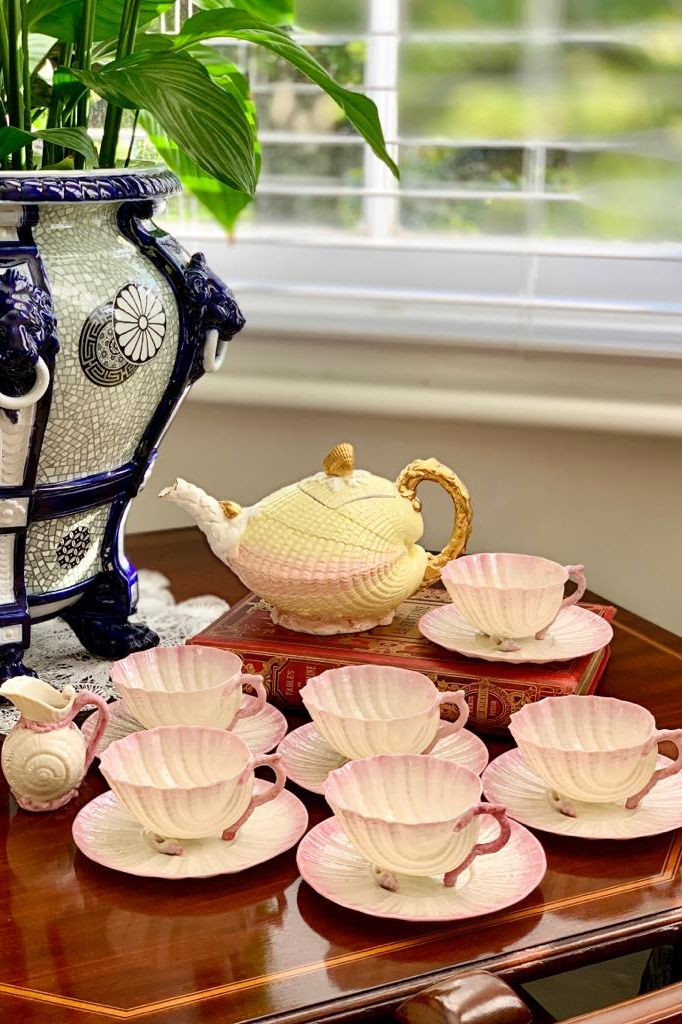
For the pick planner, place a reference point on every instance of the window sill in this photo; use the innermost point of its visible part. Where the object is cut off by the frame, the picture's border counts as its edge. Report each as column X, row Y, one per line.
column 422, row 380
column 619, row 301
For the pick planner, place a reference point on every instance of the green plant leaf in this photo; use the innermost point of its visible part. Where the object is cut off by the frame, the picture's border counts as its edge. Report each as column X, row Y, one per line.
column 66, row 86
column 76, row 140
column 38, row 48
column 275, row 12
column 225, row 204
column 360, row 110
column 61, row 18
column 13, row 139
column 105, row 50
column 206, row 122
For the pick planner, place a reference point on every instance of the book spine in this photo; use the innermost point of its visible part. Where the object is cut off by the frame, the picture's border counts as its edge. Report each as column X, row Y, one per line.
column 491, row 703
column 284, row 675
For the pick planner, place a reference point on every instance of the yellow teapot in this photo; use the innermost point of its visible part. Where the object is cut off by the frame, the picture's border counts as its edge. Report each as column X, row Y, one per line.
column 336, row 552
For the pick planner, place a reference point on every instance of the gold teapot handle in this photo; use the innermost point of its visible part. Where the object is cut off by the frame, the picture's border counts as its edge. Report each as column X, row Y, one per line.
column 431, row 469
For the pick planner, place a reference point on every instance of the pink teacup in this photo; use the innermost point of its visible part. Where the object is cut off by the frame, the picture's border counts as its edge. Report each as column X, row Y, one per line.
column 362, row 710
column 187, row 782
column 593, row 749
column 509, row 596
column 186, row 685
column 413, row 815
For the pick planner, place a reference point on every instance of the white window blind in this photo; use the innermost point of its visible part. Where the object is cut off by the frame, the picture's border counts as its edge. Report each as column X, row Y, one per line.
column 540, row 200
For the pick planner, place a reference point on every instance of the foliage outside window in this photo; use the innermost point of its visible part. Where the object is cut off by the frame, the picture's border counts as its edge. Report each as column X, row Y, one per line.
column 546, row 118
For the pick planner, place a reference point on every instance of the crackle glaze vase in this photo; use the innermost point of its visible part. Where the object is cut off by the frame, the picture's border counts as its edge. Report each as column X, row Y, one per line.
column 105, row 322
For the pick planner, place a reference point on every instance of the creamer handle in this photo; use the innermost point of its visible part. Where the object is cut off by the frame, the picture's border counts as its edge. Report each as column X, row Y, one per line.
column 431, row 469
column 82, row 700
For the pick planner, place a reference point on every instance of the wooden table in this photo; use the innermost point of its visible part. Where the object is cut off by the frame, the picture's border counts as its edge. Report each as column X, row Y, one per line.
column 83, row 945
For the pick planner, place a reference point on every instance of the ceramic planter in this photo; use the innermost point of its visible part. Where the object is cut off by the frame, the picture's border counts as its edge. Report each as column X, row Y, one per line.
column 105, row 322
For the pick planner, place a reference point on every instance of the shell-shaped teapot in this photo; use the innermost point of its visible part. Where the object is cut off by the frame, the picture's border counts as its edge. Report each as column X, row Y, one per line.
column 45, row 755
column 335, row 552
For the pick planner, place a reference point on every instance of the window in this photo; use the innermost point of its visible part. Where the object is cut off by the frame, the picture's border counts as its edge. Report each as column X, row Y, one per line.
column 540, row 200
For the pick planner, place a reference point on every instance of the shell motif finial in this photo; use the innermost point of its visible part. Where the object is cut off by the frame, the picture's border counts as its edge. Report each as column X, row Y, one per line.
column 340, row 461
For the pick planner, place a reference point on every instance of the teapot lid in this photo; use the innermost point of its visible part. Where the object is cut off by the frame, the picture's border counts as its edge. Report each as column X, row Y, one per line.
column 340, row 482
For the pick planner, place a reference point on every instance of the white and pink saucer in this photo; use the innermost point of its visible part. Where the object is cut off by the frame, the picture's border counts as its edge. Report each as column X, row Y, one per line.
column 261, row 732
column 509, row 780
column 574, row 633
column 308, row 758
column 108, row 835
column 330, row 864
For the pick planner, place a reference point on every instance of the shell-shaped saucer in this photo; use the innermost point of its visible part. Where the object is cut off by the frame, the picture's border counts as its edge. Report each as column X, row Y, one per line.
column 509, row 780
column 308, row 758
column 329, row 863
column 575, row 632
column 108, row 835
column 261, row 732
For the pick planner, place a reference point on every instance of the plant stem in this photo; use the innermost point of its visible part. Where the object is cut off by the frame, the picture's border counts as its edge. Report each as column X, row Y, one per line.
column 15, row 97
column 132, row 139
column 112, row 121
column 83, row 58
column 26, row 73
column 52, row 154
column 4, row 61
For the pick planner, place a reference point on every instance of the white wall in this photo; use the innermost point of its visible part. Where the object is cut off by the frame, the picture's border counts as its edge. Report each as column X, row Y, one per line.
column 610, row 500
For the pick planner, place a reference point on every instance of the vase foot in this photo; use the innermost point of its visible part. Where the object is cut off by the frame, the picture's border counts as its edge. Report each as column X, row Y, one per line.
column 107, row 639
column 12, row 664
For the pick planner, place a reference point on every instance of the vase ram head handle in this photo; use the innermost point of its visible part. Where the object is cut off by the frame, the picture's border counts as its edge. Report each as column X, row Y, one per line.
column 219, row 316
column 27, row 336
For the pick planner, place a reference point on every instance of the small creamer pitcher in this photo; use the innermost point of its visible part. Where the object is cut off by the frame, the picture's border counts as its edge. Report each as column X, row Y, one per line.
column 45, row 756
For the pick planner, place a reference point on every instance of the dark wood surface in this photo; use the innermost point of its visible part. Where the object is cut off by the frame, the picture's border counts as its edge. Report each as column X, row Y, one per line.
column 80, row 944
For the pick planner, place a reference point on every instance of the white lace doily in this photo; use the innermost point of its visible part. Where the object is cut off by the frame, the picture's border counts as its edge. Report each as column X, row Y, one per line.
column 58, row 658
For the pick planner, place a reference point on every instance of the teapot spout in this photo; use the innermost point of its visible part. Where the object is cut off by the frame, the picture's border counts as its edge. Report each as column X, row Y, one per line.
column 221, row 521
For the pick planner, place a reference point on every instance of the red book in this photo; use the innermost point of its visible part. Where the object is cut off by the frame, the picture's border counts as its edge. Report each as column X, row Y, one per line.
column 493, row 689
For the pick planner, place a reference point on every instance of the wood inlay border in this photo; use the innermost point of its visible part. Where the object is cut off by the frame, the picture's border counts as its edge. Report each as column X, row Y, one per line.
column 668, row 872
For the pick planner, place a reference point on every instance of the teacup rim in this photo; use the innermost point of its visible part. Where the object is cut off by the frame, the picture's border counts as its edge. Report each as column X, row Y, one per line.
column 363, row 718
column 134, row 738
column 348, row 766
column 189, row 650
column 174, row 691
column 585, row 700
column 116, row 671
column 451, row 566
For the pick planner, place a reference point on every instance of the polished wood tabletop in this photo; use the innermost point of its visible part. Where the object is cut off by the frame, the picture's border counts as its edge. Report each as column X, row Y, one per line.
column 84, row 945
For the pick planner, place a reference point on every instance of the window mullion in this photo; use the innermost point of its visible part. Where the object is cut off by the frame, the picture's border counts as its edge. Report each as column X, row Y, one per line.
column 381, row 83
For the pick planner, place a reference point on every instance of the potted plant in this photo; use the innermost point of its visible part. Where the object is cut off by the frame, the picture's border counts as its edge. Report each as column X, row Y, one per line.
column 105, row 321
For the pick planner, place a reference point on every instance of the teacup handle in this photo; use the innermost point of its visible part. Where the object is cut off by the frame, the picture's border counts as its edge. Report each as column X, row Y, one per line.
column 577, row 574
column 671, row 736
column 495, row 811
column 274, row 761
column 460, row 701
column 82, row 700
column 253, row 706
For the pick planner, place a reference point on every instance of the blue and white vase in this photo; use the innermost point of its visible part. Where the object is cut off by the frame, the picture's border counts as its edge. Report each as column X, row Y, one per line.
column 105, row 322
